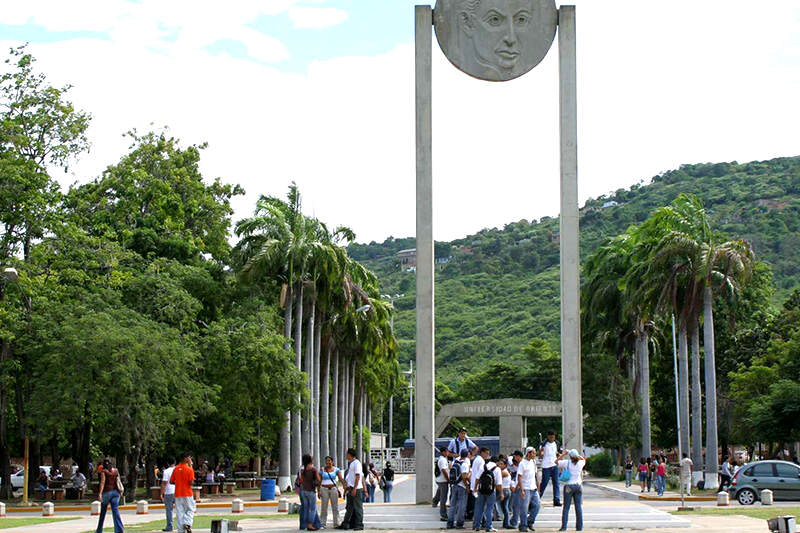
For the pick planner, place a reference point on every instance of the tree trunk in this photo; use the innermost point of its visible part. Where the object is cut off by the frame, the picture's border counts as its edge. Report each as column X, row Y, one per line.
column 643, row 356
column 285, row 457
column 344, row 380
column 712, row 460
column 683, row 384
column 352, row 403
column 368, row 416
column 697, row 404
column 315, row 427
column 308, row 420
column 334, row 407
column 325, row 402
column 297, row 442
column 360, row 420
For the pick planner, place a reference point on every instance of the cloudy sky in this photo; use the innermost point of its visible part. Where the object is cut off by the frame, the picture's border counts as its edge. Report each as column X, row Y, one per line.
column 321, row 92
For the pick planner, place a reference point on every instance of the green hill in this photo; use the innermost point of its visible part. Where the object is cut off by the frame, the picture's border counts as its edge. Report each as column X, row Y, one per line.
column 500, row 288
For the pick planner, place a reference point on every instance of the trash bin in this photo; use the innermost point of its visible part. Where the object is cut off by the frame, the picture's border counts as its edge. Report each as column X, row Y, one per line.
column 267, row 489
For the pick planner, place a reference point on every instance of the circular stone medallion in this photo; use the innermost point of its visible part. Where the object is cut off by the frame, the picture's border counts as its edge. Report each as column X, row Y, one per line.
column 495, row 40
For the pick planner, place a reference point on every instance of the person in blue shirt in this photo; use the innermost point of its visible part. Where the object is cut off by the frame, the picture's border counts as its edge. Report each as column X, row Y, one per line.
column 461, row 442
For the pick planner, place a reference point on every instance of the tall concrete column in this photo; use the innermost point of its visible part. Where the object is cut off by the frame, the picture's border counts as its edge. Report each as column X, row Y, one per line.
column 572, row 410
column 424, row 442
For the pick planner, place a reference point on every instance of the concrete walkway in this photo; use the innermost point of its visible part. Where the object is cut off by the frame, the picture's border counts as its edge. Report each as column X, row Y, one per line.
column 634, row 492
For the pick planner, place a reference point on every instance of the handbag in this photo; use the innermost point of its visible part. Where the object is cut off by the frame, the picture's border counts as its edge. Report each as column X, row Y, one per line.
column 565, row 476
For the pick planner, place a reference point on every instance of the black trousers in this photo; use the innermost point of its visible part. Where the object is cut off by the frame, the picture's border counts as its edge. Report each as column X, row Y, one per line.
column 354, row 510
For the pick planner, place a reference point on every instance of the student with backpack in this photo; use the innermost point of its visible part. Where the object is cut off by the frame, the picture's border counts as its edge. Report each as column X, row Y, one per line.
column 459, row 485
column 442, row 471
column 488, row 484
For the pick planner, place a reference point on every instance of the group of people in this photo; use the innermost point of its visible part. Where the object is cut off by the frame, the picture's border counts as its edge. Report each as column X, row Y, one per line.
column 651, row 473
column 78, row 481
column 494, row 486
column 358, row 484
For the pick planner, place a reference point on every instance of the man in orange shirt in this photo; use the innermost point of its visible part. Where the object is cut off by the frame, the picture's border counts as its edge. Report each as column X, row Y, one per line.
column 183, row 477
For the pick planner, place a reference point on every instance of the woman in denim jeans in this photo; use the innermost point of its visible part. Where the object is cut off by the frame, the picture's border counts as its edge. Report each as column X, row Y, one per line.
column 573, row 488
column 504, row 506
column 108, row 488
column 309, row 482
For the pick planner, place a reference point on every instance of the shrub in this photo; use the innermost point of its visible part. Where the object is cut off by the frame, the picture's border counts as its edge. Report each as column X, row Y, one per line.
column 600, row 465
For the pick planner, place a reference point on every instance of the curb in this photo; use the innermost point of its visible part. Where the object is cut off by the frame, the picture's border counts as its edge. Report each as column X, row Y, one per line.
column 646, row 497
column 618, row 492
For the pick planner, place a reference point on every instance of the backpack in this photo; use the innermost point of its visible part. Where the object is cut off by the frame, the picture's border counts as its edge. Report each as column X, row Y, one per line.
column 436, row 470
column 455, row 473
column 486, row 481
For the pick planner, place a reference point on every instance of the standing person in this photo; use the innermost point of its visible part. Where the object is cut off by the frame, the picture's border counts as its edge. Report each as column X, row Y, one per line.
column 443, row 482
column 110, row 489
column 490, row 488
column 477, row 469
column 661, row 476
column 353, row 479
column 650, row 471
column 42, row 482
column 529, row 503
column 573, row 488
column 387, row 477
column 168, row 492
column 183, row 477
column 686, row 465
column 461, row 442
column 642, row 475
column 309, row 481
column 628, row 471
column 505, row 500
column 79, row 483
column 329, row 492
column 372, row 482
column 725, row 474
column 481, row 473
column 548, row 451
column 459, row 482
column 513, row 466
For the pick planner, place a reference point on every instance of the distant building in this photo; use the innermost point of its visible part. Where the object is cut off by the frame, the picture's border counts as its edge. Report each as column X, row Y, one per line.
column 407, row 258
column 611, row 203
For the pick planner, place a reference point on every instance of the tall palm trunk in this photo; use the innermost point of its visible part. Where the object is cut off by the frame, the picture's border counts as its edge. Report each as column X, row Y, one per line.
column 297, row 441
column 344, row 381
column 316, row 390
column 334, row 430
column 697, row 403
column 325, row 402
column 309, row 422
column 352, row 402
column 643, row 356
column 368, row 421
column 683, row 384
column 285, row 457
column 712, row 460
column 360, row 420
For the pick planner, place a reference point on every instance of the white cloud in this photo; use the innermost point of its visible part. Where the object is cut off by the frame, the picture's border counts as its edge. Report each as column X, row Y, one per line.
column 316, row 17
column 660, row 85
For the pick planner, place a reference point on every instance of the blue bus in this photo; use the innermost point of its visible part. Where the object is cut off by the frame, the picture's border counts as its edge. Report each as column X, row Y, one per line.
column 493, row 443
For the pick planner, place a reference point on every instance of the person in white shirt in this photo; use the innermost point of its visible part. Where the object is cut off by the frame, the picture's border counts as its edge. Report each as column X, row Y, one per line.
column 573, row 487
column 458, row 502
column 504, row 503
column 528, row 501
column 548, row 451
column 686, row 474
column 354, row 508
column 442, row 483
column 168, row 492
column 486, row 495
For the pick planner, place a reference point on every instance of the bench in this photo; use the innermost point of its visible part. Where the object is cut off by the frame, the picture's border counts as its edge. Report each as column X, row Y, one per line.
column 229, row 486
column 210, row 488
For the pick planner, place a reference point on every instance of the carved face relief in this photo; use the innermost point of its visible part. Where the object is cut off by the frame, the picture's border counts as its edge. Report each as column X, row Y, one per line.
column 495, row 40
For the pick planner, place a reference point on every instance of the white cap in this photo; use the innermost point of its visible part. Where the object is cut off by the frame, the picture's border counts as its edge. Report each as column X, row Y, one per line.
column 528, row 450
column 574, row 454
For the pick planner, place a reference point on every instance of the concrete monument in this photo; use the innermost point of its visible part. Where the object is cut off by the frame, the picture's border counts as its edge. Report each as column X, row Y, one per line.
column 495, row 40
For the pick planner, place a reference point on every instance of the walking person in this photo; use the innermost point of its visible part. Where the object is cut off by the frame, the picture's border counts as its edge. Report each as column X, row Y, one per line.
column 354, row 493
column 548, row 451
column 628, row 472
column 725, row 474
column 309, row 481
column 514, row 504
column 528, row 502
column 110, row 488
column 329, row 491
column 686, row 465
column 642, row 473
column 372, row 482
column 651, row 470
column 661, row 476
column 443, row 482
column 459, row 484
column 183, row 477
column 573, row 487
column 168, row 492
column 387, row 483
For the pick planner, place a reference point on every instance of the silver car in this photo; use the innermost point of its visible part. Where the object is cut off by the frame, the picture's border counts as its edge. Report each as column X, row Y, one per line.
column 781, row 477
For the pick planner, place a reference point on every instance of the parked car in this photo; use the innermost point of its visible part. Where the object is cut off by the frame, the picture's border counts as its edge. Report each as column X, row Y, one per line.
column 18, row 477
column 781, row 477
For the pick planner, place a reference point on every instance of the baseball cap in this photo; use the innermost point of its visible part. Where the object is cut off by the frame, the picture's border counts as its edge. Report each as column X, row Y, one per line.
column 528, row 450
column 574, row 454
column 462, row 429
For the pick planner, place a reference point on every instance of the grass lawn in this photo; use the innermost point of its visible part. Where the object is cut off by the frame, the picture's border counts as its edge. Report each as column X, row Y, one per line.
column 6, row 523
column 751, row 511
column 200, row 521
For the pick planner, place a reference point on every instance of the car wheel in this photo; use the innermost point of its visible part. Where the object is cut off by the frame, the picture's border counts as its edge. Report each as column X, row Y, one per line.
column 746, row 497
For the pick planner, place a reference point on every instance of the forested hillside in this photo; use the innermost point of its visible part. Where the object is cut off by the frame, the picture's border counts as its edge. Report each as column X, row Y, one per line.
column 500, row 288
